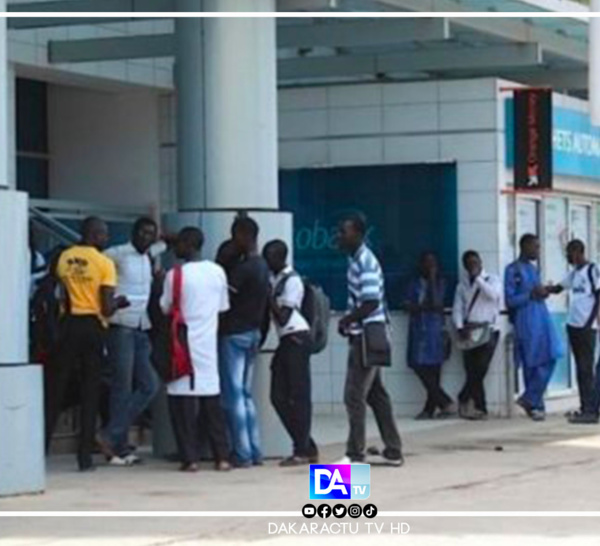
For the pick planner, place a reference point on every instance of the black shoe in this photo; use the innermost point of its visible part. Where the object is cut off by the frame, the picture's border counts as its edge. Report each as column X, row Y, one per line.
column 294, row 460
column 382, row 459
column 88, row 467
column 448, row 411
column 424, row 416
column 583, row 419
column 526, row 406
column 242, row 465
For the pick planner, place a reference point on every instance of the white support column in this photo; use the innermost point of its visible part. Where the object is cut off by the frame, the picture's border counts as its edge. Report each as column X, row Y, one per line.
column 241, row 107
column 595, row 64
column 230, row 116
column 21, row 398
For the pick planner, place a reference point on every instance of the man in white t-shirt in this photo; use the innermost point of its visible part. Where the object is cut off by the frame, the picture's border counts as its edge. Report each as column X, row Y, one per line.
column 583, row 283
column 204, row 295
column 290, row 380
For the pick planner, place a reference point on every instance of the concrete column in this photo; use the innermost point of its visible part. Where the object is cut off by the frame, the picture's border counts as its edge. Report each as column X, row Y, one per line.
column 227, row 111
column 189, row 77
column 595, row 64
column 21, row 413
column 241, row 107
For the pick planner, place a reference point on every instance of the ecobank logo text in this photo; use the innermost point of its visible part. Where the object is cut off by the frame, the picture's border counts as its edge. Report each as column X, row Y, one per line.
column 340, row 481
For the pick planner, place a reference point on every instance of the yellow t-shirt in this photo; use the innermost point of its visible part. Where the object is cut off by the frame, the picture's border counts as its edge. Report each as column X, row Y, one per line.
column 83, row 270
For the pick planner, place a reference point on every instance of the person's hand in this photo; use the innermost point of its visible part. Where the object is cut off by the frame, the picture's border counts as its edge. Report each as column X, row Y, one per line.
column 122, row 302
column 463, row 333
column 343, row 326
column 540, row 293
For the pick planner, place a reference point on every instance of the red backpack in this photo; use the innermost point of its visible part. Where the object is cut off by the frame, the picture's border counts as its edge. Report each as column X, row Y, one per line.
column 181, row 359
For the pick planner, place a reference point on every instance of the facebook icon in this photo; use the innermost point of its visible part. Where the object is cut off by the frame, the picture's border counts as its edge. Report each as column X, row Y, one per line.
column 340, row 481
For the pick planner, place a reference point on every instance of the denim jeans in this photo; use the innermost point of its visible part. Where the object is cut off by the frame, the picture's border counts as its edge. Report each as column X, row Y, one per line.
column 237, row 356
column 134, row 383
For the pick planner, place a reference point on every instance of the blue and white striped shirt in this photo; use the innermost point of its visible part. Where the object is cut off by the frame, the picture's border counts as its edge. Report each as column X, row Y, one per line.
column 365, row 283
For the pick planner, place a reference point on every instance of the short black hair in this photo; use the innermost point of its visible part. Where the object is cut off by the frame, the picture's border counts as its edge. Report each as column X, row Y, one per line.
column 278, row 247
column 246, row 225
column 142, row 222
column 193, row 237
column 470, row 254
column 90, row 226
column 526, row 239
column 358, row 221
column 576, row 244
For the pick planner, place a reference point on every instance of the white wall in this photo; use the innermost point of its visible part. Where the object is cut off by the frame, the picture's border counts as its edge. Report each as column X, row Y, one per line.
column 104, row 146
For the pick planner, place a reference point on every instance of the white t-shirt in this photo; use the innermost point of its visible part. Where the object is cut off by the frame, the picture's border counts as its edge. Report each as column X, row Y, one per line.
column 582, row 295
column 291, row 296
column 204, row 295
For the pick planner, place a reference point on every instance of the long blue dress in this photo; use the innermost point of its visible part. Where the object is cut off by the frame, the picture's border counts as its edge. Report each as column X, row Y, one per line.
column 537, row 345
column 426, row 329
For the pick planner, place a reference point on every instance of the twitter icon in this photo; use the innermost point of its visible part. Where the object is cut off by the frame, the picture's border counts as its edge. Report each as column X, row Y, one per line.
column 340, row 511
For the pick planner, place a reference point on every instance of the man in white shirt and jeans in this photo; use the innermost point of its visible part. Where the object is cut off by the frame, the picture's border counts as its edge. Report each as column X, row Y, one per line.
column 290, row 380
column 134, row 383
column 583, row 283
column 476, row 305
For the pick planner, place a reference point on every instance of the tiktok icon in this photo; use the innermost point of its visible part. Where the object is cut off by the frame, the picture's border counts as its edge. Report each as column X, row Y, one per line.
column 370, row 511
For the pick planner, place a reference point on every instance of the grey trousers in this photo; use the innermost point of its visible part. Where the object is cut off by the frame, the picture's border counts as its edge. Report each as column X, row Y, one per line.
column 364, row 386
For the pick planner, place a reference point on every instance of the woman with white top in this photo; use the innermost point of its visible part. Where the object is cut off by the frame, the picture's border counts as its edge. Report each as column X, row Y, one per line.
column 475, row 315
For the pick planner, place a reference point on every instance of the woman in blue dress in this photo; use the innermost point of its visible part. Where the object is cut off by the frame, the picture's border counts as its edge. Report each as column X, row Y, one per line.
column 427, row 343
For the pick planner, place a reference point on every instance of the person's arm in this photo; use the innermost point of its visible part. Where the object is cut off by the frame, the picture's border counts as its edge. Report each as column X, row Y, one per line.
column 158, row 248
column 457, row 308
column 491, row 288
column 108, row 302
column 224, row 303
column 368, row 300
column 291, row 299
column 166, row 300
column 513, row 297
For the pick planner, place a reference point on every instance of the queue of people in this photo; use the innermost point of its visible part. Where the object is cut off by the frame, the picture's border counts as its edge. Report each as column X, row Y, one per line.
column 112, row 306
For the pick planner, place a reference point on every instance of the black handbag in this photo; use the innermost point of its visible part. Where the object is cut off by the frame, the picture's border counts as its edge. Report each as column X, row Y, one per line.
column 376, row 345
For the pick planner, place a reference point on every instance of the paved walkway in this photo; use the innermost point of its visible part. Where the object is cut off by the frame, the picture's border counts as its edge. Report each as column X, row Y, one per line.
column 500, row 465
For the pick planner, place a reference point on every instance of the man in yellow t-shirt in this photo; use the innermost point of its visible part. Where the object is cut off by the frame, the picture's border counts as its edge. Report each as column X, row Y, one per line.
column 89, row 279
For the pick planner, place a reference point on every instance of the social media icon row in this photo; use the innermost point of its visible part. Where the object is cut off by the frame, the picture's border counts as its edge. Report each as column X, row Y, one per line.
column 340, row 511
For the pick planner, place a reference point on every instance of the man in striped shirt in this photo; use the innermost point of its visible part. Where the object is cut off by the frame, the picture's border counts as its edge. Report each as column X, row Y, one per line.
column 366, row 304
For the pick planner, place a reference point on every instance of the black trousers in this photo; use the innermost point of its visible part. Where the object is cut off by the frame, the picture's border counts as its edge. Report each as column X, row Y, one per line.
column 365, row 386
column 189, row 416
column 477, row 363
column 80, row 354
column 583, row 345
column 431, row 377
column 291, row 391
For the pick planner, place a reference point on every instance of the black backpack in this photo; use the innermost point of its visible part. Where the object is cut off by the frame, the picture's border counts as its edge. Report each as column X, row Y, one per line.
column 315, row 308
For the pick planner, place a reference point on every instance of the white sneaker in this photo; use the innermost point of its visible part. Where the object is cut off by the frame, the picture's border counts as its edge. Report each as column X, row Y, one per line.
column 348, row 460
column 119, row 461
column 128, row 460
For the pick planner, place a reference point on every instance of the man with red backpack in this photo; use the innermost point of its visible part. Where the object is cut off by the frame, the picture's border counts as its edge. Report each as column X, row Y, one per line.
column 194, row 294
